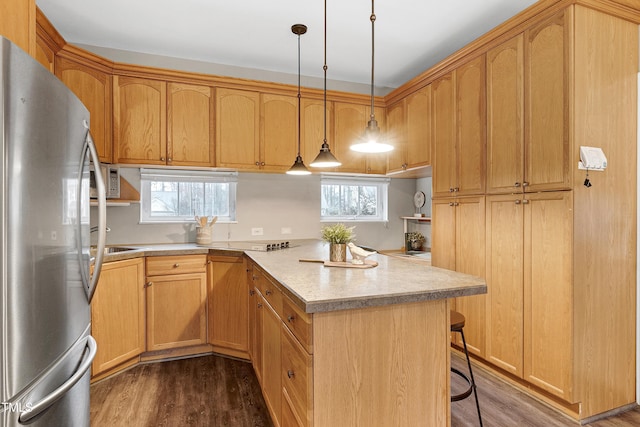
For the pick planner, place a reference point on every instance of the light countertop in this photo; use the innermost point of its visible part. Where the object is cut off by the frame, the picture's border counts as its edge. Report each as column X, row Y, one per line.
column 317, row 288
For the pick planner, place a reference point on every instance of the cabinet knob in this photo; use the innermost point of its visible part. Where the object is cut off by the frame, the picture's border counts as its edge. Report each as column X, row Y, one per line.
column 176, row 265
column 254, row 277
column 518, row 201
column 456, row 204
column 451, row 204
column 162, row 159
column 148, row 284
column 259, row 305
column 456, row 189
column 525, row 202
column 291, row 318
column 450, row 189
column 517, row 184
column 257, row 163
column 290, row 373
column 268, row 292
column 261, row 163
column 169, row 160
column 252, row 292
column 525, row 184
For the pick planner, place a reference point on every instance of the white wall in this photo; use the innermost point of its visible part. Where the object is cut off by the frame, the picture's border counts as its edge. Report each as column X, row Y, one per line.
column 270, row 201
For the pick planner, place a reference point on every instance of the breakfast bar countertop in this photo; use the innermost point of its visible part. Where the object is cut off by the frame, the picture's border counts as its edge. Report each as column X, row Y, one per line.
column 394, row 280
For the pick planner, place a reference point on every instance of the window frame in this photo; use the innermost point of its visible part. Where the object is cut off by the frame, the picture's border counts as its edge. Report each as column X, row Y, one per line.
column 180, row 175
column 382, row 197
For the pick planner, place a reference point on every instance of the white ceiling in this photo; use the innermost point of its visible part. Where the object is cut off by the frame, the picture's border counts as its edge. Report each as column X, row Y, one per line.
column 410, row 35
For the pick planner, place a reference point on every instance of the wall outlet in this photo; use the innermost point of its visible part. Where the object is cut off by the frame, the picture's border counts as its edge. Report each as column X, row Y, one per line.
column 285, row 230
column 257, row 231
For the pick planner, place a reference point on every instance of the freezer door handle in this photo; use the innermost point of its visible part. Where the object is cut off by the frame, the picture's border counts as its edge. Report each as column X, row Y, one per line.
column 39, row 407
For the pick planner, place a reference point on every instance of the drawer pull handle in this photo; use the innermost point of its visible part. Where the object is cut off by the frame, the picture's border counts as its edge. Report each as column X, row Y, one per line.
column 290, row 373
column 291, row 318
column 268, row 292
column 176, row 265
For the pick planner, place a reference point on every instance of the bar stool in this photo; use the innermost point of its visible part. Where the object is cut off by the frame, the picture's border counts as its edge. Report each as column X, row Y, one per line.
column 457, row 324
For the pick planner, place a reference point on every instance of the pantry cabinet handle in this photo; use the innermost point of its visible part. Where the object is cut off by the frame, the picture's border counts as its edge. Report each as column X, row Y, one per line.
column 290, row 373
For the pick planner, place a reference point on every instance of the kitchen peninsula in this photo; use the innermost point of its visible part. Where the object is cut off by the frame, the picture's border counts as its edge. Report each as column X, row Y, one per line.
column 345, row 346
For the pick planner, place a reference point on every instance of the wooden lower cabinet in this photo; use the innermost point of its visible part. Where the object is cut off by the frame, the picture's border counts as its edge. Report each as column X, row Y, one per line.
column 228, row 305
column 271, row 363
column 117, row 315
column 176, row 303
column 297, row 383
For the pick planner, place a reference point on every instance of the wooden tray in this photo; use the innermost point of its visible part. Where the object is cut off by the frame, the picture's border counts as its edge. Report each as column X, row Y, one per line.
column 367, row 263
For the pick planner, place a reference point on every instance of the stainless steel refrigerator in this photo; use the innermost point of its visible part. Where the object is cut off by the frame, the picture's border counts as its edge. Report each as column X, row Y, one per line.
column 46, row 346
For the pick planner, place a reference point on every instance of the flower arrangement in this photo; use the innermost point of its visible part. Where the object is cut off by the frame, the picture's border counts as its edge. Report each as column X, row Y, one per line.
column 338, row 234
column 414, row 240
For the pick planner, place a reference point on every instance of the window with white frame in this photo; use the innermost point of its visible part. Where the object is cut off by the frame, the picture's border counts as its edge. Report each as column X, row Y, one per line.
column 348, row 198
column 169, row 195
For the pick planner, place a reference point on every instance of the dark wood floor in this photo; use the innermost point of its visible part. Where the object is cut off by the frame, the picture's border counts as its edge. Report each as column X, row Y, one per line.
column 214, row 391
column 207, row 391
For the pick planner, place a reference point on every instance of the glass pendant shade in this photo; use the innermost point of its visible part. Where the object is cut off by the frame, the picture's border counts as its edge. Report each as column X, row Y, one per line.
column 370, row 142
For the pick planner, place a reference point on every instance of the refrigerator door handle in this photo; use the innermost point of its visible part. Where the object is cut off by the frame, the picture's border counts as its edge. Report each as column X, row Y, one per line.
column 102, row 218
column 39, row 407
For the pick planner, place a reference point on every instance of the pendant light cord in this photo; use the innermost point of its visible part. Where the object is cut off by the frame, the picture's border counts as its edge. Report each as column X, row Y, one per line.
column 299, row 100
column 324, row 67
column 373, row 20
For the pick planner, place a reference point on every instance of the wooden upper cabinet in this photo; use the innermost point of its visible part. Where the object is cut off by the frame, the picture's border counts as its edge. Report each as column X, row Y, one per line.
column 190, row 129
column 278, row 131
column 471, row 127
column 527, row 89
column 139, row 114
column 94, row 88
column 418, row 127
column 505, row 116
column 444, row 135
column 18, row 23
column 547, row 72
column 397, row 136
column 312, row 129
column 44, row 54
column 238, row 128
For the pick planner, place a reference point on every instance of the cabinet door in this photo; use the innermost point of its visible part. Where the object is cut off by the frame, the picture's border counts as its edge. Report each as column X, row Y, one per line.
column 278, row 131
column 504, row 274
column 548, row 291
column 228, row 300
column 312, row 128
column 117, row 314
column 176, row 311
column 547, row 104
column 444, row 135
column 396, row 130
column 470, row 259
column 257, row 314
column 190, row 125
column 271, row 361
column 297, row 384
column 44, row 54
column 443, row 233
column 350, row 121
column 237, row 128
column 471, row 125
column 94, row 89
column 418, row 119
column 505, row 117
column 139, row 114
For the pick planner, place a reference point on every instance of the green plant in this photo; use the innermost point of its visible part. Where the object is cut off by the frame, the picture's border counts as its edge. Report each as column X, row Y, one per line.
column 338, row 233
column 415, row 236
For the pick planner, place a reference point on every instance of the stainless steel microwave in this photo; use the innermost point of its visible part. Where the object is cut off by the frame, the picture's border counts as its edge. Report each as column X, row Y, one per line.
column 111, row 178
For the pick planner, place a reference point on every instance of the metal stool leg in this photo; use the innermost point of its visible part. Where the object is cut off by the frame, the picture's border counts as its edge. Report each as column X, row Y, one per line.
column 473, row 382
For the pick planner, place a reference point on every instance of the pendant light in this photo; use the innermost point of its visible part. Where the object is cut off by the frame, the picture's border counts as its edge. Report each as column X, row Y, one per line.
column 371, row 135
column 325, row 159
column 298, row 167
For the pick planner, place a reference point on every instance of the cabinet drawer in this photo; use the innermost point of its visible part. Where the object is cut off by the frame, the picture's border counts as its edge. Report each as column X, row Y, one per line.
column 162, row 265
column 269, row 291
column 297, row 376
column 299, row 322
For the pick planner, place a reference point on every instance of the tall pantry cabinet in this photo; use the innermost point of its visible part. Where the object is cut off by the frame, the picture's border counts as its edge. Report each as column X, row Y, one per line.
column 560, row 256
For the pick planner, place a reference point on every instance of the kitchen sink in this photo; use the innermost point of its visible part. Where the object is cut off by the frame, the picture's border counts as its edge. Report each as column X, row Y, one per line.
column 111, row 250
